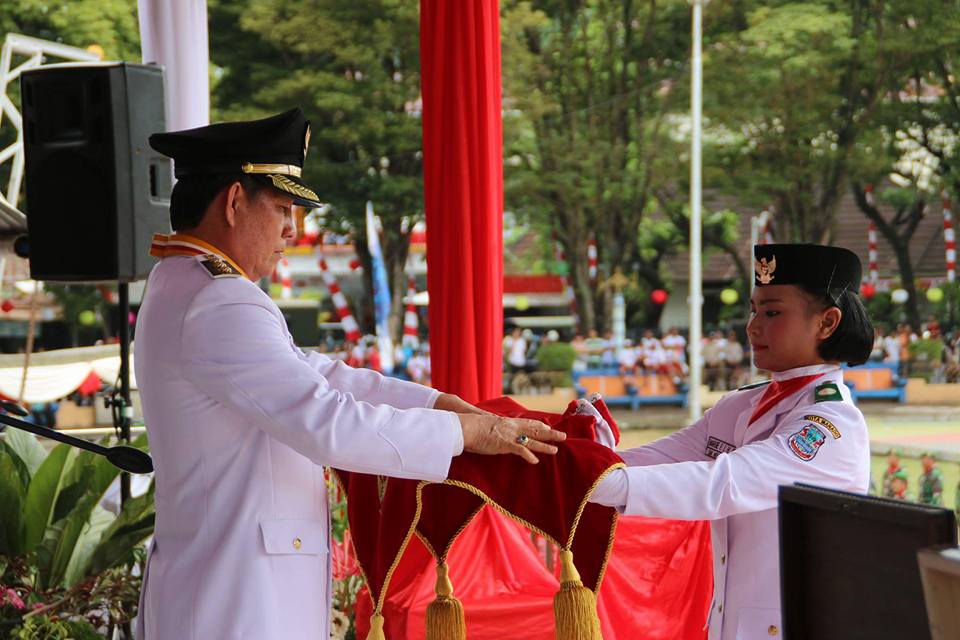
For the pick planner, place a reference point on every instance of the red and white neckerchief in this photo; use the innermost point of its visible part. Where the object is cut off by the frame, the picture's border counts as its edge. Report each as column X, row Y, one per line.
column 786, row 383
column 182, row 244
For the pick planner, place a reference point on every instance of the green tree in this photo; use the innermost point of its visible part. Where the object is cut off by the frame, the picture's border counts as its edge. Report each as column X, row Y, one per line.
column 112, row 24
column 590, row 88
column 353, row 65
column 789, row 95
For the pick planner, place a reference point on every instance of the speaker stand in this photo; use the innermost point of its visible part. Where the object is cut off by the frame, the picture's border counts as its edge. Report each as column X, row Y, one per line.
column 125, row 415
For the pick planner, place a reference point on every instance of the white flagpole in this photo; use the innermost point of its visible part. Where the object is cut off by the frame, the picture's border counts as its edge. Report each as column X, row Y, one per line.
column 174, row 36
column 696, row 269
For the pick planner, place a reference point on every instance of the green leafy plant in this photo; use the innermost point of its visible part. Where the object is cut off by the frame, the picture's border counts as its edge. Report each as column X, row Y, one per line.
column 64, row 558
column 556, row 356
column 925, row 357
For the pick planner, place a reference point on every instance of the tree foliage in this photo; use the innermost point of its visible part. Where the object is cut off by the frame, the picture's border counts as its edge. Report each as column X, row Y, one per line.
column 353, row 66
column 592, row 91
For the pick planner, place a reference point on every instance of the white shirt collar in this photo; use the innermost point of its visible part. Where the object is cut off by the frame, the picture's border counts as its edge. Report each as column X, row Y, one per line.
column 812, row 370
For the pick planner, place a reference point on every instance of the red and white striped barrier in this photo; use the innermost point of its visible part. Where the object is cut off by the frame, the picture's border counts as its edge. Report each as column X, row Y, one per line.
column 767, row 233
column 410, row 320
column 592, row 259
column 872, row 240
column 347, row 321
column 561, row 257
column 286, row 280
column 950, row 242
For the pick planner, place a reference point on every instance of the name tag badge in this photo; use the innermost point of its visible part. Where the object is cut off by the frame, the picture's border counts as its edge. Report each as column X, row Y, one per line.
column 716, row 446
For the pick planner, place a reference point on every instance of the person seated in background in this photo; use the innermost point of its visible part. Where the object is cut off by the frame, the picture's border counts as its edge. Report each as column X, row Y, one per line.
column 595, row 347
column 713, row 360
column 733, row 357
column 628, row 359
column 581, row 352
column 608, row 359
column 878, row 352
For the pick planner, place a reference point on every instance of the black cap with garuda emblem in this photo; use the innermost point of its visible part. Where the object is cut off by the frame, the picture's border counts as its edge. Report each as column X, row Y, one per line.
column 832, row 270
column 272, row 150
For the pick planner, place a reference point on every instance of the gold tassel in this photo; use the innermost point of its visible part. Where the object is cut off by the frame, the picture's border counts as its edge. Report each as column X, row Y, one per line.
column 574, row 606
column 445, row 620
column 376, row 627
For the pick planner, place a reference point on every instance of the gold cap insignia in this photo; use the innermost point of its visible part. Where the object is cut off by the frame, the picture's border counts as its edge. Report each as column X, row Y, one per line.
column 306, row 142
column 765, row 269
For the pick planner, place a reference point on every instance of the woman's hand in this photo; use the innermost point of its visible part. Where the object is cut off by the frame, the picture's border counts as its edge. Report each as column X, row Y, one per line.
column 490, row 434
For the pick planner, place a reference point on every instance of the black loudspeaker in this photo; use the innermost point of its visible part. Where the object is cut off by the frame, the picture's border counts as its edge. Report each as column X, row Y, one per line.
column 96, row 191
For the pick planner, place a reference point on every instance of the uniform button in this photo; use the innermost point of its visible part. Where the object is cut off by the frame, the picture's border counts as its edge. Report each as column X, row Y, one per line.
column 723, row 559
column 773, row 630
column 720, row 608
column 297, row 543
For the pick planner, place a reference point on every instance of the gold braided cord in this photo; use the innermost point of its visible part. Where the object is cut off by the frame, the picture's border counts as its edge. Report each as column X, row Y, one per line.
column 286, row 184
column 381, row 597
column 488, row 500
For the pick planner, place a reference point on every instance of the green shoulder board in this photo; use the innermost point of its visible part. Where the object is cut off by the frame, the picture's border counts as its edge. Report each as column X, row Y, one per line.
column 826, row 392
column 754, row 385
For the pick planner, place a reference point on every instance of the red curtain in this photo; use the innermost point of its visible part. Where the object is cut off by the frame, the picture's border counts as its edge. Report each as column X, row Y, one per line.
column 657, row 586
column 463, row 193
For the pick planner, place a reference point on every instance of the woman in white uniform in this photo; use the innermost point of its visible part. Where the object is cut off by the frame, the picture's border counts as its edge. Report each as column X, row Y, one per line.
column 806, row 319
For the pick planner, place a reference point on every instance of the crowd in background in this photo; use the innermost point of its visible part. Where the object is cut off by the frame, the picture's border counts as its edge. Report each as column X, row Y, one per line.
column 927, row 352
column 726, row 355
column 411, row 358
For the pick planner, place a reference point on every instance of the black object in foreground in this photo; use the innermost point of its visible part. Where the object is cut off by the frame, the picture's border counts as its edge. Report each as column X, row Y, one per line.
column 848, row 564
column 14, row 408
column 122, row 457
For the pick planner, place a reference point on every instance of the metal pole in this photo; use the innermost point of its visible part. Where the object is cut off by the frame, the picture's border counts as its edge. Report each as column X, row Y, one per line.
column 756, row 224
column 126, row 411
column 696, row 284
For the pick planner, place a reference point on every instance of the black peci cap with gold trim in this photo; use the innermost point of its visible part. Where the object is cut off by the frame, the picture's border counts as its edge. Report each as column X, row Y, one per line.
column 272, row 150
column 833, row 270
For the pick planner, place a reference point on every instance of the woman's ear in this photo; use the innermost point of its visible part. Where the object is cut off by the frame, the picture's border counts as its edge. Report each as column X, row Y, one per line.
column 829, row 322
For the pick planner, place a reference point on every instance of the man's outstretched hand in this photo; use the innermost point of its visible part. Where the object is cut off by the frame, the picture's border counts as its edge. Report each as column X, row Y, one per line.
column 491, row 434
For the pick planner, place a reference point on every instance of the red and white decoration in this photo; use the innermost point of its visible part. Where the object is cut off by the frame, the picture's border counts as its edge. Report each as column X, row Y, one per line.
column 766, row 231
column 410, row 320
column 286, row 280
column 347, row 321
column 950, row 242
column 561, row 256
column 592, row 259
column 872, row 239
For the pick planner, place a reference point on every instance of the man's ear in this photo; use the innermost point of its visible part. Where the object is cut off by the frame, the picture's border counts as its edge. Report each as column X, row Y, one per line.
column 829, row 322
column 231, row 204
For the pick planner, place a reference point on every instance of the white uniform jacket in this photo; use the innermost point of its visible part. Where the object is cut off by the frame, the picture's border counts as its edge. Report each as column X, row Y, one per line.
column 240, row 421
column 729, row 473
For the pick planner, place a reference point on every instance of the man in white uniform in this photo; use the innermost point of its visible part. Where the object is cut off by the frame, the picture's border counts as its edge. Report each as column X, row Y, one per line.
column 803, row 427
column 241, row 421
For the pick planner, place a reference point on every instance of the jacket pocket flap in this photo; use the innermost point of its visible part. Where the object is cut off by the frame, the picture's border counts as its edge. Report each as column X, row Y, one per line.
column 305, row 537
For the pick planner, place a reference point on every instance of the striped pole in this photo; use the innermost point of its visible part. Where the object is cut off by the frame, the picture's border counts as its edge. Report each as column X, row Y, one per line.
column 592, row 259
column 561, row 257
column 950, row 242
column 347, row 321
column 410, row 320
column 286, row 281
column 872, row 238
column 766, row 228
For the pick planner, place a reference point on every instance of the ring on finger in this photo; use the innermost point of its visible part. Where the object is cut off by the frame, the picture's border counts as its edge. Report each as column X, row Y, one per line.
column 521, row 440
